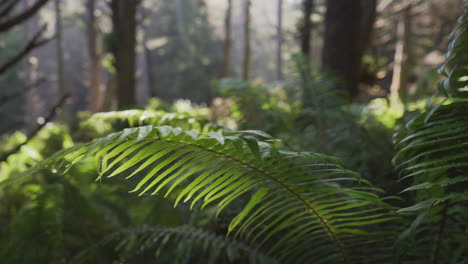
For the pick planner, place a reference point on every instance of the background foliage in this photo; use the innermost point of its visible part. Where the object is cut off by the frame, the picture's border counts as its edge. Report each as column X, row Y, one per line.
column 284, row 171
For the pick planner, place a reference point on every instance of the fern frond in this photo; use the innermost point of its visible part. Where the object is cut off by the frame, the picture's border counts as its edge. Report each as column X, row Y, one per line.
column 180, row 244
column 454, row 69
column 303, row 206
column 433, row 153
column 39, row 240
column 434, row 156
column 107, row 122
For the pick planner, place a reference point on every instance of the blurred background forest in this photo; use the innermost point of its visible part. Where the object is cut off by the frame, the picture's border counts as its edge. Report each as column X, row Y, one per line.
column 182, row 47
column 335, row 77
column 327, row 76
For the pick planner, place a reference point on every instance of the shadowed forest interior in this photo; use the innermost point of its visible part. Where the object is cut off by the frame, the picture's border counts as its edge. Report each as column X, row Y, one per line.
column 233, row 131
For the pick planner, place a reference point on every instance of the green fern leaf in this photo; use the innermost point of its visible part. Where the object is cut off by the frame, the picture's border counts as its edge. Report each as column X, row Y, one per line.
column 304, row 197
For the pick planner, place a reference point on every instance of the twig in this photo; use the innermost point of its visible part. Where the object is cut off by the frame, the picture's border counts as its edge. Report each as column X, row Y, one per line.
column 7, row 7
column 9, row 23
column 6, row 98
column 33, row 133
column 32, row 44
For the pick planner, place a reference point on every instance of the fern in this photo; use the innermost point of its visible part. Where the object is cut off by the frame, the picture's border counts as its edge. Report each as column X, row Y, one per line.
column 433, row 153
column 303, row 207
column 41, row 239
column 107, row 122
column 193, row 245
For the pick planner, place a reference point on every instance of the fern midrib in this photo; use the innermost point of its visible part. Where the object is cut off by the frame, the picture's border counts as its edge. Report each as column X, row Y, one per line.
column 283, row 185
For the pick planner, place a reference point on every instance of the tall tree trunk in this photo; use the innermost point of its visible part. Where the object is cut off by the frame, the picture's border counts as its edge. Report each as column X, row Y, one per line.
column 94, row 53
column 30, row 76
column 369, row 12
column 124, row 23
column 347, row 29
column 180, row 19
column 227, row 40
column 279, row 42
column 149, row 64
column 109, row 103
column 398, row 88
column 143, row 92
column 61, row 90
column 305, row 29
column 246, row 62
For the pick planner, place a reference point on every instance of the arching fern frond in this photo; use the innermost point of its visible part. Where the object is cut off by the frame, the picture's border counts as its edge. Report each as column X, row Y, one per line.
column 181, row 244
column 433, row 155
column 454, row 69
column 303, row 207
column 107, row 122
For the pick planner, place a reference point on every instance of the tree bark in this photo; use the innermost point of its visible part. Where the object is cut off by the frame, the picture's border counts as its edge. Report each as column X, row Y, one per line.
column 306, row 26
column 347, row 30
column 247, row 51
column 279, row 42
column 124, row 23
column 94, row 54
column 398, row 88
column 227, row 40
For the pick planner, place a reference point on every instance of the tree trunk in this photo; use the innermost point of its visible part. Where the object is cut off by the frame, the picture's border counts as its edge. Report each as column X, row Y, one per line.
column 109, row 103
column 246, row 62
column 94, row 53
column 306, row 26
column 398, row 89
column 180, row 20
column 149, row 64
column 61, row 90
column 279, row 41
column 29, row 76
column 347, row 29
column 227, row 40
column 369, row 12
column 143, row 92
column 124, row 22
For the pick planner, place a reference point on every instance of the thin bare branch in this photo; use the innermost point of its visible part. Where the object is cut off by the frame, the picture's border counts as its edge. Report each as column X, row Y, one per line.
column 7, row 6
column 32, row 44
column 7, row 98
column 50, row 115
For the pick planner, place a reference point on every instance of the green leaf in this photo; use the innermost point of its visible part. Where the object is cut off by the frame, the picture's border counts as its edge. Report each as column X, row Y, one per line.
column 256, row 198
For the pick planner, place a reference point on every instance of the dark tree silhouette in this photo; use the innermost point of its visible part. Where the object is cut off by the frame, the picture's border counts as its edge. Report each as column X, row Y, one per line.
column 347, row 28
column 305, row 26
column 246, row 62
column 227, row 40
column 124, row 27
